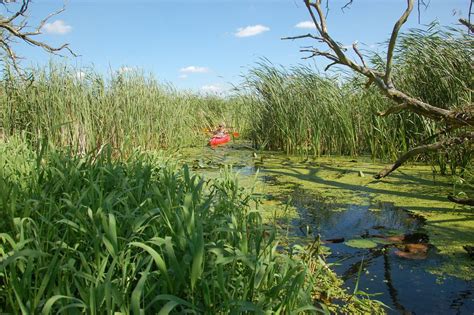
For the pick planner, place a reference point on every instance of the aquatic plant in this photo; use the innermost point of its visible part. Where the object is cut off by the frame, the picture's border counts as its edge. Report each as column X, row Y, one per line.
column 298, row 110
column 126, row 110
column 97, row 235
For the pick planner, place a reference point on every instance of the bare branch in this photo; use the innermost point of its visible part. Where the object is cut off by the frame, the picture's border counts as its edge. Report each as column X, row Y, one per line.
column 461, row 201
column 393, row 40
column 20, row 12
column 315, row 52
column 467, row 138
column 354, row 46
column 421, row 3
column 468, row 24
column 13, row 28
column 349, row 3
column 470, row 13
column 303, row 36
column 43, row 22
column 330, row 65
column 382, row 80
column 10, row 54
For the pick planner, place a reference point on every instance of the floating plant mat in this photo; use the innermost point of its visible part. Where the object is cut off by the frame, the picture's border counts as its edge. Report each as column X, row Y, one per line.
column 361, row 243
column 339, row 199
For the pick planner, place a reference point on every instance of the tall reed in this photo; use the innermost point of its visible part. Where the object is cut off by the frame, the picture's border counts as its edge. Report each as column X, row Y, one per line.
column 299, row 110
column 98, row 235
column 127, row 110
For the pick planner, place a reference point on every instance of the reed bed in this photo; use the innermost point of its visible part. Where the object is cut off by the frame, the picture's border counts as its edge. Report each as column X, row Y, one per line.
column 299, row 110
column 296, row 110
column 101, row 235
column 127, row 110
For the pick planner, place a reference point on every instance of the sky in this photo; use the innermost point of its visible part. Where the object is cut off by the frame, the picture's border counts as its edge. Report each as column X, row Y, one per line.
column 207, row 45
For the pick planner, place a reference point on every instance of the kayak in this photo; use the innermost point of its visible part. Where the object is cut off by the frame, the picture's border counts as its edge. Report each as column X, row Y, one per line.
column 219, row 140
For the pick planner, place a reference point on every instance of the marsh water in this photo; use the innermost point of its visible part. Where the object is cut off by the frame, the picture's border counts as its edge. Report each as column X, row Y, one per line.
column 366, row 236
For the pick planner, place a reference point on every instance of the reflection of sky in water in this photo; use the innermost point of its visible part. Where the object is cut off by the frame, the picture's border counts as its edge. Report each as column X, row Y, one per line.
column 405, row 285
column 354, row 221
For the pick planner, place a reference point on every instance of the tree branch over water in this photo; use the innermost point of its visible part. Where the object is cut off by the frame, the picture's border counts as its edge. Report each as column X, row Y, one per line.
column 453, row 119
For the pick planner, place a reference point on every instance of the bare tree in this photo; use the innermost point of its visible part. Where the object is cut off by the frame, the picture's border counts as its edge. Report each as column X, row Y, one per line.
column 461, row 119
column 14, row 26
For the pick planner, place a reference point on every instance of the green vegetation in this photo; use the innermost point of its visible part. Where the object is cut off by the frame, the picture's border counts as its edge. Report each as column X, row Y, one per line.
column 127, row 111
column 97, row 235
column 94, row 220
column 296, row 110
column 301, row 111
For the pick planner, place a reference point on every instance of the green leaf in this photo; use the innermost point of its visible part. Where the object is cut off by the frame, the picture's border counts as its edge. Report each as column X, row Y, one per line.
column 361, row 243
column 138, row 292
column 165, row 310
column 49, row 304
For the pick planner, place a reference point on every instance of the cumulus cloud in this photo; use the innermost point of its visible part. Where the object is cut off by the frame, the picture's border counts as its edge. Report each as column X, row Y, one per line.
column 125, row 69
column 211, row 88
column 251, row 30
column 305, row 24
column 57, row 27
column 194, row 69
column 80, row 75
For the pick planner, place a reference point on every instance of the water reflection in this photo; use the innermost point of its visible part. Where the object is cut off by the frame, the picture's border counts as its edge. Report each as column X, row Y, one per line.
column 405, row 285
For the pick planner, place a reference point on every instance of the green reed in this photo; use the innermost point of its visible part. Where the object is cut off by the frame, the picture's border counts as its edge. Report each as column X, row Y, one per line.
column 97, row 234
column 127, row 110
column 298, row 110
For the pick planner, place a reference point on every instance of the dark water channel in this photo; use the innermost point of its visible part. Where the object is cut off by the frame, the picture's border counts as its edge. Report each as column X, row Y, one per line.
column 390, row 271
column 402, row 284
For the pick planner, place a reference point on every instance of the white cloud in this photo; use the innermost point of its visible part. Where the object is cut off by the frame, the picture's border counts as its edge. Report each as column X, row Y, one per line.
column 251, row 30
column 57, row 27
column 194, row 69
column 211, row 88
column 80, row 75
column 305, row 24
column 183, row 76
column 125, row 69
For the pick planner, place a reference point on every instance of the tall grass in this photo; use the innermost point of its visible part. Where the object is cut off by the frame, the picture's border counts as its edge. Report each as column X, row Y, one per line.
column 299, row 110
column 436, row 66
column 98, row 235
column 127, row 110
column 296, row 110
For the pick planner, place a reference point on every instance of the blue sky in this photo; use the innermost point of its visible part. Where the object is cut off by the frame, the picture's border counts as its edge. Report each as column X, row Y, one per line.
column 207, row 45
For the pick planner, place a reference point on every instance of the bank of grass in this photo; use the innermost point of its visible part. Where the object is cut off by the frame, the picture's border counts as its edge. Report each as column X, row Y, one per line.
column 99, row 235
column 298, row 110
column 126, row 110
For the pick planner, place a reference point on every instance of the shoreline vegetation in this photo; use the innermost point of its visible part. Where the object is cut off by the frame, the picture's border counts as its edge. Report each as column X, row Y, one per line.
column 98, row 216
column 97, row 233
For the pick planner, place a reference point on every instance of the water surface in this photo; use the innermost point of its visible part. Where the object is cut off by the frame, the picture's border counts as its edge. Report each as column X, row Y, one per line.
column 337, row 200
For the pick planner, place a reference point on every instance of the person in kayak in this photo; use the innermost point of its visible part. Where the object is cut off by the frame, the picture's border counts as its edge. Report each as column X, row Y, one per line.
column 221, row 131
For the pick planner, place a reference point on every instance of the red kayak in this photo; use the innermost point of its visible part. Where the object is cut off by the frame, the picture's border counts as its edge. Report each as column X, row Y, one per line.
column 219, row 140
